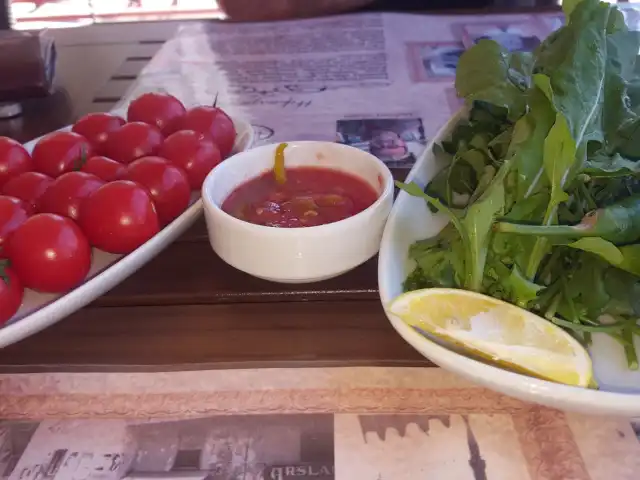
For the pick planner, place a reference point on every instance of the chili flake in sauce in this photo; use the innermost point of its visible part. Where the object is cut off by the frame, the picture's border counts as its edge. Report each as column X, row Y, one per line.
column 311, row 196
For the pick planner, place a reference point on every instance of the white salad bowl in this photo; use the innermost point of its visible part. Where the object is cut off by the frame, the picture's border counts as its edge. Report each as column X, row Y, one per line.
column 411, row 220
column 297, row 255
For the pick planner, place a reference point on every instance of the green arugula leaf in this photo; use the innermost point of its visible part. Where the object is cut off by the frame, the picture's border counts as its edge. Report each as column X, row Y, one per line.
column 559, row 158
column 600, row 165
column 627, row 141
column 630, row 261
column 568, row 6
column 601, row 247
column 414, row 190
column 616, row 22
column 633, row 88
column 484, row 181
column 523, row 291
column 527, row 143
column 626, row 258
column 623, row 289
column 439, row 259
column 475, row 159
column 416, row 280
column 438, row 188
column 487, row 116
column 477, row 224
column 618, row 118
column 489, row 73
column 499, row 145
column 463, row 251
column 529, row 209
column 575, row 61
column 462, row 177
column 559, row 150
column 586, row 286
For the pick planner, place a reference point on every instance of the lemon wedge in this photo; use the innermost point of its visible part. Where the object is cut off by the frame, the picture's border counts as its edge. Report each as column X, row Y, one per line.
column 496, row 331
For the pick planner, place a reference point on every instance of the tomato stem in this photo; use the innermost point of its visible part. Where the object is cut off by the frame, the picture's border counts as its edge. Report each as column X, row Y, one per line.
column 83, row 159
column 3, row 271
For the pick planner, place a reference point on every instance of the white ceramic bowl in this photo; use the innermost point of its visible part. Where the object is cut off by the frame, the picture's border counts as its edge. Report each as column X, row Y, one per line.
column 297, row 255
column 411, row 220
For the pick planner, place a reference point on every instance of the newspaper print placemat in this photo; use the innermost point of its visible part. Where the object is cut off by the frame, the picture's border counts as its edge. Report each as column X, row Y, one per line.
column 361, row 423
column 380, row 82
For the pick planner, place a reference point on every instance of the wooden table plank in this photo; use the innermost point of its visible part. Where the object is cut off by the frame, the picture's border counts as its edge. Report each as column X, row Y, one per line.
column 291, row 333
column 191, row 273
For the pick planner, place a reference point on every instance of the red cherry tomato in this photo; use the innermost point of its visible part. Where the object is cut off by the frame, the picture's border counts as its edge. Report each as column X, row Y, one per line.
column 167, row 184
column 13, row 213
column 158, row 109
column 132, row 141
column 119, row 217
column 14, row 160
column 66, row 194
column 104, row 168
column 49, row 253
column 28, row 187
column 95, row 127
column 60, row 152
column 11, row 294
column 193, row 152
column 212, row 121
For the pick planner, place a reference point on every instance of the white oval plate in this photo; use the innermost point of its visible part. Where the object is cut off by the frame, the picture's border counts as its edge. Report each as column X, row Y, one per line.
column 411, row 220
column 40, row 310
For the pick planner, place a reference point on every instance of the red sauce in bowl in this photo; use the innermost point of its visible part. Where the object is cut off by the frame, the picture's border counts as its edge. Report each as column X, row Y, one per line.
column 311, row 196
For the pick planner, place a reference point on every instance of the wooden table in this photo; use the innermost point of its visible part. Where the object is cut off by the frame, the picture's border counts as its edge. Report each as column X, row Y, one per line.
column 187, row 307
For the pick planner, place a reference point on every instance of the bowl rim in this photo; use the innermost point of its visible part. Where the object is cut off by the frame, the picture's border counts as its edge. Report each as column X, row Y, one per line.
column 619, row 403
column 387, row 191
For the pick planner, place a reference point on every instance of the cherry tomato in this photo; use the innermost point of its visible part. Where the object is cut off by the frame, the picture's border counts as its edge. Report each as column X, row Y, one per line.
column 167, row 184
column 60, row 152
column 28, row 187
column 119, row 217
column 193, row 152
column 132, row 141
column 212, row 121
column 13, row 213
column 66, row 194
column 14, row 160
column 11, row 294
column 95, row 127
column 158, row 109
column 49, row 253
column 104, row 168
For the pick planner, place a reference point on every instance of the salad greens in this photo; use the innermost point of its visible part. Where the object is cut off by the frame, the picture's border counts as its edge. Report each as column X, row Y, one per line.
column 542, row 179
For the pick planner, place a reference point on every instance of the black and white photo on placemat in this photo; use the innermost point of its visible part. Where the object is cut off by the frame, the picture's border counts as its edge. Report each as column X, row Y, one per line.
column 433, row 61
column 514, row 37
column 14, row 439
column 236, row 447
column 396, row 141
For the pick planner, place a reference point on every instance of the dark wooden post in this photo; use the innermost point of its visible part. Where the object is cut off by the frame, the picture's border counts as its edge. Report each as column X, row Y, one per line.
column 5, row 15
